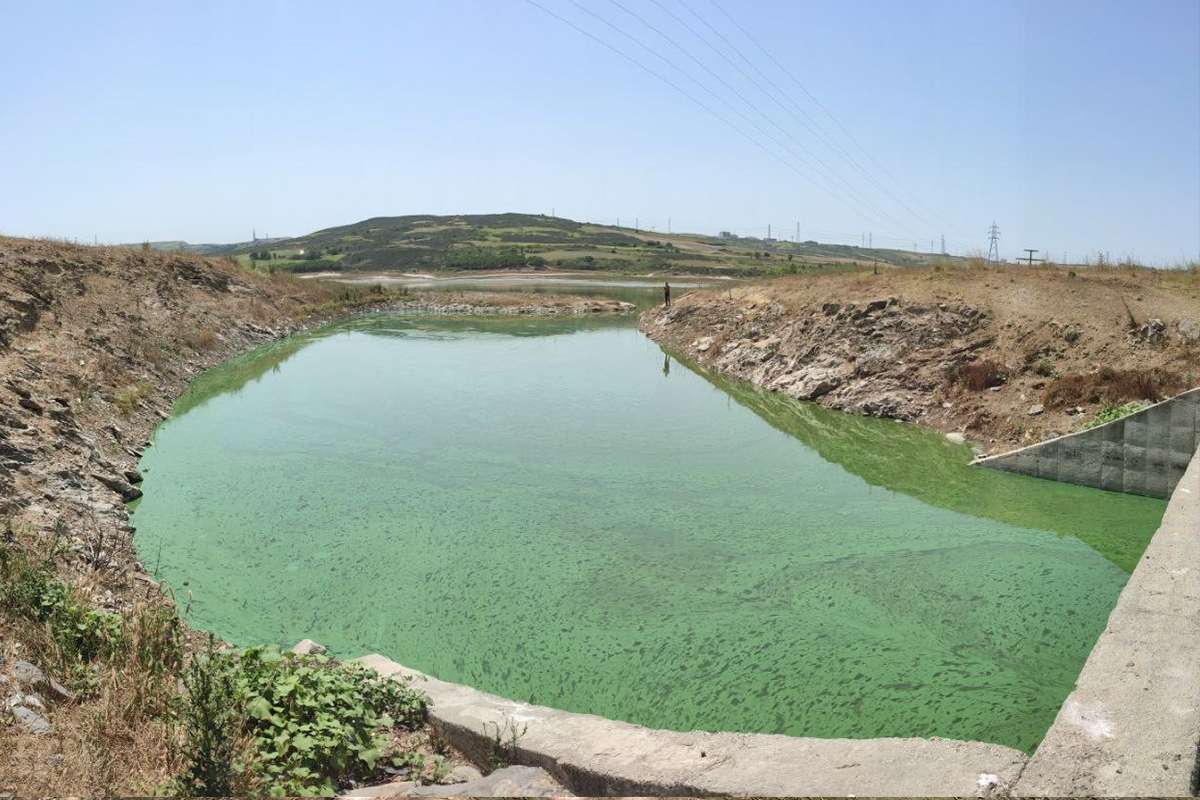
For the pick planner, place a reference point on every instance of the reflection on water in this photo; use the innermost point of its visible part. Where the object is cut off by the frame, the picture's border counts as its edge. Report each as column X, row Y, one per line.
column 885, row 454
column 566, row 519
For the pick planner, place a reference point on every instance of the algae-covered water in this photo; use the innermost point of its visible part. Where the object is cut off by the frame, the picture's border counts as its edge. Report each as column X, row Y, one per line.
column 556, row 511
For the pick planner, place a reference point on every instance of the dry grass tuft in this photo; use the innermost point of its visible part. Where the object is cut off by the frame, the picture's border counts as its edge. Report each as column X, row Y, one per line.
column 129, row 398
column 201, row 340
column 979, row 375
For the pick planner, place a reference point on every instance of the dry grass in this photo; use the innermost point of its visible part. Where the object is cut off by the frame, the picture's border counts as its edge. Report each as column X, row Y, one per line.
column 130, row 397
column 201, row 340
column 979, row 375
column 114, row 736
column 1112, row 386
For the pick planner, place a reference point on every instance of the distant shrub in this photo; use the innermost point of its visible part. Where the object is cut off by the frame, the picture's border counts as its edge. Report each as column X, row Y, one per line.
column 318, row 265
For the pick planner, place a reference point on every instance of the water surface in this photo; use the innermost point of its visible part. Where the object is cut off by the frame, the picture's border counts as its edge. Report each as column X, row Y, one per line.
column 556, row 511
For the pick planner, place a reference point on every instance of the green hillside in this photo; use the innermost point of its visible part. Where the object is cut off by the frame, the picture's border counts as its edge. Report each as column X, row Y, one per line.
column 423, row 243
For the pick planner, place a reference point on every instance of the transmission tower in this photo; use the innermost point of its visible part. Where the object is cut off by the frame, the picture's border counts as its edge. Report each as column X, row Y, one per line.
column 994, row 244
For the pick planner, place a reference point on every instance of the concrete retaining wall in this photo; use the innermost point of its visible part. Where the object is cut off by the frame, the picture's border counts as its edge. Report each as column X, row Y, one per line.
column 1145, row 453
column 1132, row 724
column 591, row 755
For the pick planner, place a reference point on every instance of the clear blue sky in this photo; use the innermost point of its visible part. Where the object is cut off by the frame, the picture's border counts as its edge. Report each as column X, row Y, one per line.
column 1075, row 125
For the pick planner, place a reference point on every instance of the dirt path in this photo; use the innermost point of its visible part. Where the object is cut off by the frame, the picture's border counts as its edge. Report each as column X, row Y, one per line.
column 1006, row 356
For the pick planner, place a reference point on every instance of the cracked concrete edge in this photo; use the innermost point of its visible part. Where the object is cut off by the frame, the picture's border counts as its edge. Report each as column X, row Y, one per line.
column 591, row 755
column 1145, row 453
column 1132, row 724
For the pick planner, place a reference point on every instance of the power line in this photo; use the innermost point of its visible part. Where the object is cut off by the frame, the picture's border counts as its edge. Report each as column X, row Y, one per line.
column 829, row 171
column 686, row 94
column 803, row 116
column 819, row 105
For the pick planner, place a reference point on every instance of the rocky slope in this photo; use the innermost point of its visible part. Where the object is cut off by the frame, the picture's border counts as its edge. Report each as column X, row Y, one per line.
column 95, row 343
column 1005, row 356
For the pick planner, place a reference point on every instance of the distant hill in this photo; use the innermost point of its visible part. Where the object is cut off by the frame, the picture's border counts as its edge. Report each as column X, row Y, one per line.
column 427, row 243
column 179, row 246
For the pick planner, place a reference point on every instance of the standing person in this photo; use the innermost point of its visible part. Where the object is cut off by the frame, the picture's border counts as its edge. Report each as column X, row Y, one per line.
column 666, row 294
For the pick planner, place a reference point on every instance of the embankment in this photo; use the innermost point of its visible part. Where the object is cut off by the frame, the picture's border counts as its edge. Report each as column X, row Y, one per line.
column 1007, row 356
column 596, row 756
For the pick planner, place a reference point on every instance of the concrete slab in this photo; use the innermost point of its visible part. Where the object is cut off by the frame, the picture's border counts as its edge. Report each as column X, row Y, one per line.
column 1131, row 727
column 504, row 782
column 1140, row 454
column 591, row 755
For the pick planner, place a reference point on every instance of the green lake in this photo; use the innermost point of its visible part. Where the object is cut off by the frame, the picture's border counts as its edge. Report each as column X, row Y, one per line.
column 555, row 510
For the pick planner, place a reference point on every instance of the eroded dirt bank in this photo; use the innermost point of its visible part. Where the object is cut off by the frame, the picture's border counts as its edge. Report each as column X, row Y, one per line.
column 1006, row 355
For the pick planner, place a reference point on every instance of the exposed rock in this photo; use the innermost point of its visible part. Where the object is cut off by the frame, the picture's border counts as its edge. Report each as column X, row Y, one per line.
column 506, row 782
column 27, row 675
column 133, row 476
column 956, row 437
column 31, row 701
column 118, row 485
column 1152, row 330
column 32, row 721
column 29, row 404
column 461, row 774
column 60, row 692
column 307, row 647
column 381, row 791
column 1189, row 330
column 1035, row 409
column 813, row 383
column 704, row 344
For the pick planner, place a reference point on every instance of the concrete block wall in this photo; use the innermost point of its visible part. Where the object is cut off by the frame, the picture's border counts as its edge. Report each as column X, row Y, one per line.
column 1145, row 453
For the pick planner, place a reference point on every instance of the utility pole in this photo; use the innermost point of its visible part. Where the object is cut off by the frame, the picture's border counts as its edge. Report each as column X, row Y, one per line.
column 943, row 244
column 1029, row 259
column 635, row 224
column 994, row 244
column 871, row 240
column 768, row 231
column 797, row 231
